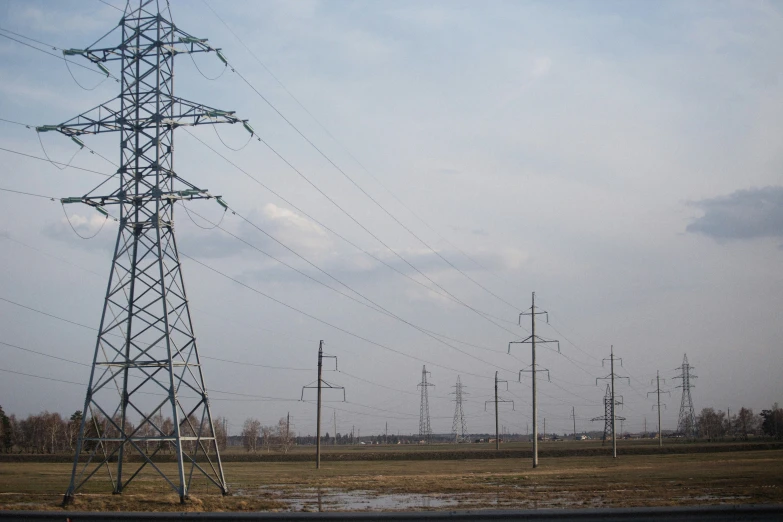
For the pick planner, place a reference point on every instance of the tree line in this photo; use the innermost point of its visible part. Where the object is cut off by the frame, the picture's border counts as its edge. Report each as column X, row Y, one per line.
column 714, row 425
column 51, row 433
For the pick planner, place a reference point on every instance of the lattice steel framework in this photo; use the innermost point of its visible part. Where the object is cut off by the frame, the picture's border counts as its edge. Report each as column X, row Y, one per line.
column 425, row 430
column 458, row 427
column 686, row 424
column 609, row 412
column 146, row 365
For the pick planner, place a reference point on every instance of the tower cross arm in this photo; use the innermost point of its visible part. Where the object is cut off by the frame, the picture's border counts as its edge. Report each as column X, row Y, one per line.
column 107, row 117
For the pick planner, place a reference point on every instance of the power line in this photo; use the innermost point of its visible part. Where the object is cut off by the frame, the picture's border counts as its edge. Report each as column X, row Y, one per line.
column 376, row 202
column 331, row 230
column 374, row 306
column 326, row 323
column 56, row 162
column 51, row 198
column 379, row 240
column 366, row 170
column 49, row 53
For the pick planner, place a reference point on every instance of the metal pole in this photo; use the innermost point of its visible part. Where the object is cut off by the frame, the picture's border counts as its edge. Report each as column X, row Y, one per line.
column 660, row 437
column 614, row 439
column 318, row 421
column 497, row 432
column 335, row 427
column 535, row 394
column 573, row 414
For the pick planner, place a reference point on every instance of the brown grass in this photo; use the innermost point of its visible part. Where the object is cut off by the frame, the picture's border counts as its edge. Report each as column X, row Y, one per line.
column 634, row 480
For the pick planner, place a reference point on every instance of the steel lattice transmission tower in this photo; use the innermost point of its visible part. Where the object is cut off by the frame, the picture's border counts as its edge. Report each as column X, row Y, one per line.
column 686, row 424
column 425, row 430
column 608, row 412
column 458, row 427
column 146, row 365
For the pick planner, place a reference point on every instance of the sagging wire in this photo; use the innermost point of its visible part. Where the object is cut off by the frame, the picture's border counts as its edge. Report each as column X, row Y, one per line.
column 57, row 164
column 214, row 225
column 55, row 48
column 76, row 231
column 229, row 147
column 81, row 144
column 77, row 81
column 202, row 72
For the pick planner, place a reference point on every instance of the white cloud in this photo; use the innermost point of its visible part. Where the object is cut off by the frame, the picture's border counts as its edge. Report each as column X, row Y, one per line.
column 541, row 67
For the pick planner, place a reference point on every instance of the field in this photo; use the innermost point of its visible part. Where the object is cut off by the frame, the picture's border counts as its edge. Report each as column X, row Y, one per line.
column 733, row 477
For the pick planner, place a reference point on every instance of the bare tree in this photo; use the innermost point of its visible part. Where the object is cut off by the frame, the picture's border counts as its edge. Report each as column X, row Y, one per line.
column 746, row 423
column 250, row 433
column 267, row 437
column 284, row 435
column 221, row 432
column 711, row 423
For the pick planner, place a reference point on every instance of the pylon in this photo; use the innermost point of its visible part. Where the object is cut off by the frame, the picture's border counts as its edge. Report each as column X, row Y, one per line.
column 686, row 424
column 146, row 365
column 607, row 416
column 458, row 427
column 425, row 431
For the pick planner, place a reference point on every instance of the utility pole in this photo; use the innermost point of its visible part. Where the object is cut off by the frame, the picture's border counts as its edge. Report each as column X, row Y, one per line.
column 497, row 400
column 146, row 330
column 532, row 339
column 287, row 426
column 335, row 427
column 319, row 386
column 386, row 434
column 425, row 431
column 729, row 431
column 686, row 423
column 613, row 402
column 658, row 392
column 573, row 416
column 544, row 436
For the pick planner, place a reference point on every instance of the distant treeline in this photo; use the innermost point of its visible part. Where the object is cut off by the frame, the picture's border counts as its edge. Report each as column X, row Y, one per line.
column 51, row 433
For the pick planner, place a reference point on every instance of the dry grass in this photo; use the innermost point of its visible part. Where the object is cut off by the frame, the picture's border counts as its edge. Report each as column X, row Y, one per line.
column 659, row 480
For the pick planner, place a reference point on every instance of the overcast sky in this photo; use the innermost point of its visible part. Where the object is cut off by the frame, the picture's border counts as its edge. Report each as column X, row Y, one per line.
column 620, row 159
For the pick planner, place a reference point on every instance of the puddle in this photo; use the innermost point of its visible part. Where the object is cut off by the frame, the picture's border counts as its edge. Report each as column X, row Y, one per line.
column 329, row 499
column 713, row 498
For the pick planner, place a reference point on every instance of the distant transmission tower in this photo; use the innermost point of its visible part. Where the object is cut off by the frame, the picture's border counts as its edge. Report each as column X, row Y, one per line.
column 458, row 427
column 607, row 416
column 613, row 401
column 425, row 431
column 146, row 365
column 687, row 420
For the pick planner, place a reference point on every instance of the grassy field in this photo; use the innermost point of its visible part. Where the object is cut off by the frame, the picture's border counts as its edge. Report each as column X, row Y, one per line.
column 565, row 482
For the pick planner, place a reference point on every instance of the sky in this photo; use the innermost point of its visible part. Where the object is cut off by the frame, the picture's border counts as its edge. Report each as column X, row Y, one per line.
column 622, row 160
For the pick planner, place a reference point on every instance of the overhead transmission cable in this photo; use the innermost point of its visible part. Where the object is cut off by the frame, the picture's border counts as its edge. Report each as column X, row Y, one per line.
column 352, row 218
column 299, row 103
column 331, row 230
column 374, row 306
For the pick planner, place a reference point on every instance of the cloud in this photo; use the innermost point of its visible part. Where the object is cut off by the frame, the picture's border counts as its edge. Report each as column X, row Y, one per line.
column 744, row 214
column 90, row 226
column 541, row 67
